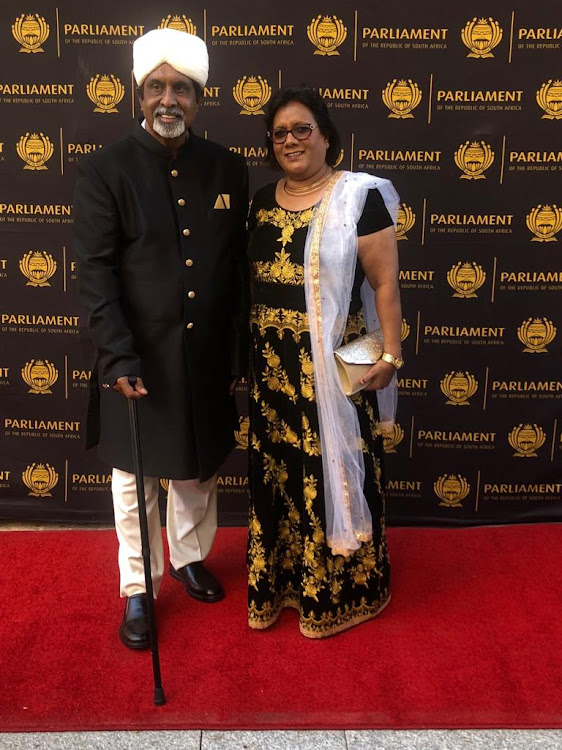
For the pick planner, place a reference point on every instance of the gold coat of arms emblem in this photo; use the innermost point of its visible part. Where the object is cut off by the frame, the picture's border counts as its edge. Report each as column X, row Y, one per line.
column 40, row 375
column 252, row 93
column 339, row 159
column 545, row 222
column 179, row 23
column 401, row 97
column 105, row 91
column 35, row 149
column 241, row 434
column 40, row 479
column 38, row 267
column 549, row 98
column 451, row 489
column 526, row 439
column 326, row 33
column 392, row 438
column 466, row 279
column 473, row 159
column 31, row 31
column 459, row 387
column 481, row 35
column 404, row 330
column 536, row 334
column 405, row 220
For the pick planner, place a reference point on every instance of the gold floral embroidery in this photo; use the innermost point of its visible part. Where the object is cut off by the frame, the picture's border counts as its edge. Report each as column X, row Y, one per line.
column 331, row 593
column 261, row 618
column 318, row 571
column 328, row 623
column 374, row 424
column 255, row 390
column 267, row 613
column 278, row 431
column 288, row 547
column 310, row 439
column 289, row 544
column 355, row 326
column 274, row 472
column 306, row 375
column 257, row 562
column 314, row 571
column 378, row 474
column 332, row 622
column 279, row 271
column 336, row 567
column 286, row 221
column 365, row 565
column 279, row 318
column 274, row 376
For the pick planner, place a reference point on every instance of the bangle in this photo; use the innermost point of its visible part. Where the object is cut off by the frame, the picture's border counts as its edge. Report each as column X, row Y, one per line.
column 391, row 359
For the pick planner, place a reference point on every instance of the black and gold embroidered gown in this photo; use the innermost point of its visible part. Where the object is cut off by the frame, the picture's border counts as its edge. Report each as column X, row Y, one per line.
column 289, row 563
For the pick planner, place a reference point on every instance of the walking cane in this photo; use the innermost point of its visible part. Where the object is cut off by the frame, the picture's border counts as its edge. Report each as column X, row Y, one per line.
column 159, row 697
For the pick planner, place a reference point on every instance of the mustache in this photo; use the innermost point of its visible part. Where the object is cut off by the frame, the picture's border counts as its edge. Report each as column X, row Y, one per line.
column 172, row 111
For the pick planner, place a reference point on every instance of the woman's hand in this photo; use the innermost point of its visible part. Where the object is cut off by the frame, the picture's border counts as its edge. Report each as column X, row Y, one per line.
column 379, row 376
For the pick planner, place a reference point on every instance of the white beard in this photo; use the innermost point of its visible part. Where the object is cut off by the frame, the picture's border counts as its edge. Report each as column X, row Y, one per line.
column 168, row 129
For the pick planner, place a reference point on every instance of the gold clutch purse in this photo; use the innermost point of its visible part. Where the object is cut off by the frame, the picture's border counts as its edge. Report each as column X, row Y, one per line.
column 355, row 359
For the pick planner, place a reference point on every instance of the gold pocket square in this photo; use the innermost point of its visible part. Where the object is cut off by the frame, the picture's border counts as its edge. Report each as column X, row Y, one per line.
column 222, row 201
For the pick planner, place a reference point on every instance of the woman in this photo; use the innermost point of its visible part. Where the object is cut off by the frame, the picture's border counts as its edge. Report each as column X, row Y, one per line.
column 317, row 542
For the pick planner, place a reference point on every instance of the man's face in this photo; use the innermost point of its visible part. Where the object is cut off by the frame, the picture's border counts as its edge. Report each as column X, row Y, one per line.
column 169, row 103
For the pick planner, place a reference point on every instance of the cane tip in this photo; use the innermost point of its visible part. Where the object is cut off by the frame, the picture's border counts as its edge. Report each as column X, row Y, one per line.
column 159, row 697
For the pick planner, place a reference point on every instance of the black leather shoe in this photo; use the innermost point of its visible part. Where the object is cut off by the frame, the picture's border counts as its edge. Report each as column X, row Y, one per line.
column 134, row 628
column 198, row 582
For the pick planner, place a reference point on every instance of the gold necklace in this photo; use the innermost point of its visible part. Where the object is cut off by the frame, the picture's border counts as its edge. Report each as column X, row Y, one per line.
column 309, row 188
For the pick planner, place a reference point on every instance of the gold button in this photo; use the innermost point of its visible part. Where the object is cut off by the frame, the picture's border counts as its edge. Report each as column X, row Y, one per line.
column 186, row 232
column 189, row 325
column 174, row 173
column 188, row 262
column 181, row 202
column 191, row 295
column 106, row 385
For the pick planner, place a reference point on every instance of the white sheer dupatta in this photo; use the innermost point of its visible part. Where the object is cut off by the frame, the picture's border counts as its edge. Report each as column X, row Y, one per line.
column 330, row 257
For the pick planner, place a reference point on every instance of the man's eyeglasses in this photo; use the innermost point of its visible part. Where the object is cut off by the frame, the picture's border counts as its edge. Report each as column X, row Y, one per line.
column 300, row 132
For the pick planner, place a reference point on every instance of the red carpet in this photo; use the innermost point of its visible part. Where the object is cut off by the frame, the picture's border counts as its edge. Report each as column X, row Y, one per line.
column 471, row 638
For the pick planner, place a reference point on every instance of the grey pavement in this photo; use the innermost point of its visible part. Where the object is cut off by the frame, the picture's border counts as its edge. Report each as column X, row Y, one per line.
column 500, row 739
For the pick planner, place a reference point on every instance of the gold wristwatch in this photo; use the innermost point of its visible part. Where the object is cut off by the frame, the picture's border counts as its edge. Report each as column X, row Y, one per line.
column 396, row 361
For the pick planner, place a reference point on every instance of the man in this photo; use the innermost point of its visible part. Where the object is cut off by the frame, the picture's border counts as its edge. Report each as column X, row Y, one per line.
column 161, row 242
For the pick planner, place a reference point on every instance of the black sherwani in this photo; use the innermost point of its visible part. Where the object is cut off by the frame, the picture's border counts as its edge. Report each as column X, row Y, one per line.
column 161, row 246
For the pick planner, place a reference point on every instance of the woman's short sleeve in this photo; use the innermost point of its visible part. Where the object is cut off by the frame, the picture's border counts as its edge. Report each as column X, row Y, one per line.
column 375, row 215
column 260, row 199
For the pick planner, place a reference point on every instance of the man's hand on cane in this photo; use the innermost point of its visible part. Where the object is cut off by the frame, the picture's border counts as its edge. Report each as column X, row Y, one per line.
column 122, row 386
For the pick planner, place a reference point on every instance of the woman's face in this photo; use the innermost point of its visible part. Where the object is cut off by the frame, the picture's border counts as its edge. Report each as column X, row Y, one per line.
column 299, row 159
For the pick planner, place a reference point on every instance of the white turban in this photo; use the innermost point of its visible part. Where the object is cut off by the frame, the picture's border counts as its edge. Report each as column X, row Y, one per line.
column 186, row 53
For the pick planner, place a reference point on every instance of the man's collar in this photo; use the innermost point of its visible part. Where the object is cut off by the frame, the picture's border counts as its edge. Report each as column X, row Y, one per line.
column 148, row 141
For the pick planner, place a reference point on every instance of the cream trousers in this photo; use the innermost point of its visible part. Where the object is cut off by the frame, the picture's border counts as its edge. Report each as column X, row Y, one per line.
column 191, row 524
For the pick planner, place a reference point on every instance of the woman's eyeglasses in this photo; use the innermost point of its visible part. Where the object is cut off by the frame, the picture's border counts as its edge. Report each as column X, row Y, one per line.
column 300, row 132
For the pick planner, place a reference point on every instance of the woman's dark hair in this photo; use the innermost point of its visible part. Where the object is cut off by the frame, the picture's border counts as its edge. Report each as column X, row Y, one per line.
column 312, row 100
